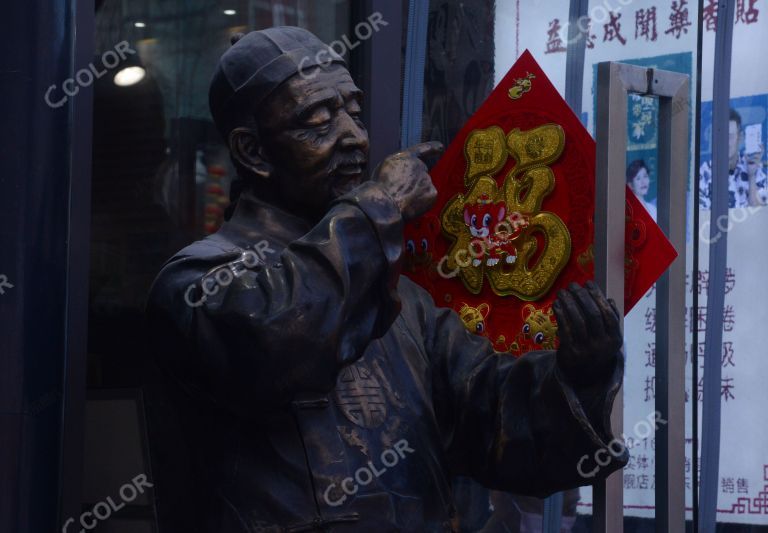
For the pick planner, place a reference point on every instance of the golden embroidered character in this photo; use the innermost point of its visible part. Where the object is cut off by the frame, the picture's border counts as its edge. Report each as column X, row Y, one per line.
column 476, row 221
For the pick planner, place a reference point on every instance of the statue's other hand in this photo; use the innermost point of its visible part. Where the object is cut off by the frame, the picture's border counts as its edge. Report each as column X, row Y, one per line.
column 405, row 177
column 590, row 334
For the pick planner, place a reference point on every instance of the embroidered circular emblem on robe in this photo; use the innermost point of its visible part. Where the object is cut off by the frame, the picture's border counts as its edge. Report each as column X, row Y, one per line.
column 360, row 397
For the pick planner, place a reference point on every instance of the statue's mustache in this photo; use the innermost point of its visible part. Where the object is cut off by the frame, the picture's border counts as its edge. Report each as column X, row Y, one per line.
column 350, row 160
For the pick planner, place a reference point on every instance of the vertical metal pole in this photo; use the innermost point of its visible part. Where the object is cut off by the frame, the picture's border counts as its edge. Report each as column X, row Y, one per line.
column 413, row 79
column 381, row 69
column 718, row 254
column 695, row 205
column 574, row 85
column 670, row 308
column 611, row 136
column 78, row 263
column 574, row 57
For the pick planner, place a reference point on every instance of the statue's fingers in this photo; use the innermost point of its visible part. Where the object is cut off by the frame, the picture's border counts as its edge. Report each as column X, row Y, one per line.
column 610, row 313
column 592, row 314
column 574, row 316
column 425, row 150
column 608, row 310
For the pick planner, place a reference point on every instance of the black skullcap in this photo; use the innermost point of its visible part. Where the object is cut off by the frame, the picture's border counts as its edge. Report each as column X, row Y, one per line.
column 256, row 64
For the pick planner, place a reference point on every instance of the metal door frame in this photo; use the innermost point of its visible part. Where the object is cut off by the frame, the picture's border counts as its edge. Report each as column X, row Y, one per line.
column 615, row 81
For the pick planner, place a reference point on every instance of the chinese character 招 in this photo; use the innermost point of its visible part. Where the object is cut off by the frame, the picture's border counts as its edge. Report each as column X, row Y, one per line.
column 650, row 388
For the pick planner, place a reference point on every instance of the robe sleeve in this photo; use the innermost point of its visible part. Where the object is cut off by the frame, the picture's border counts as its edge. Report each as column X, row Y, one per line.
column 518, row 425
column 287, row 326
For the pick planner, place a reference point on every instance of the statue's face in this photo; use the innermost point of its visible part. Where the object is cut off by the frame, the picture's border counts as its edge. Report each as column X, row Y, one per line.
column 314, row 137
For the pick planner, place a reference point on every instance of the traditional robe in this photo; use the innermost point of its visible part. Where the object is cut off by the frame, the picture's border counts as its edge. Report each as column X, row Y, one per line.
column 321, row 391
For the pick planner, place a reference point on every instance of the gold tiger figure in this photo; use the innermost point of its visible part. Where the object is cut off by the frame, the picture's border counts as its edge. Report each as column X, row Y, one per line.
column 540, row 327
column 474, row 317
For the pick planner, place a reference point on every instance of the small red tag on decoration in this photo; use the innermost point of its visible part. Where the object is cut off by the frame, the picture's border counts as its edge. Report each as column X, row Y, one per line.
column 513, row 221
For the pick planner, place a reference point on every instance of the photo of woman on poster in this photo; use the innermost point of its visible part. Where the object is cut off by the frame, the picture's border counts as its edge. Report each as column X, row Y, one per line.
column 639, row 180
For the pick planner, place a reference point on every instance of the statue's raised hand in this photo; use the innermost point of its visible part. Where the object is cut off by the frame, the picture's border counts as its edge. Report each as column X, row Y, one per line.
column 590, row 333
column 405, row 177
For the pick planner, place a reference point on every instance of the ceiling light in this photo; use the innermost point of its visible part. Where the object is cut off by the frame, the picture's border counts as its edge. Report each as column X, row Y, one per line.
column 140, row 24
column 230, row 12
column 129, row 76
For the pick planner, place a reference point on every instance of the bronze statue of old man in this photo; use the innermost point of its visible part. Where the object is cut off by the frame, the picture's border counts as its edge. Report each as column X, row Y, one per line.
column 318, row 389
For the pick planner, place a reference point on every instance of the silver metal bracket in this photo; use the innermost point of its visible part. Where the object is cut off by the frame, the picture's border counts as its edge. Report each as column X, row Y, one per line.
column 615, row 81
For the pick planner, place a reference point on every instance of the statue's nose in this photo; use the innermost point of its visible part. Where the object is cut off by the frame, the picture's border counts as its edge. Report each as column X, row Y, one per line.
column 352, row 134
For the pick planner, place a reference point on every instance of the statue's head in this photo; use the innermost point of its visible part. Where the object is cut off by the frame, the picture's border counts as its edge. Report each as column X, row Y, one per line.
column 290, row 113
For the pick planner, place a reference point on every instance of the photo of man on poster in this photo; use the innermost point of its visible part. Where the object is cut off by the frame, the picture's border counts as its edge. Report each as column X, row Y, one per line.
column 747, row 180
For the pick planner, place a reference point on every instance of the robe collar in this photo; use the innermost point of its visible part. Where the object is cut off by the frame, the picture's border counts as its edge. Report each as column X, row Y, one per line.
column 255, row 220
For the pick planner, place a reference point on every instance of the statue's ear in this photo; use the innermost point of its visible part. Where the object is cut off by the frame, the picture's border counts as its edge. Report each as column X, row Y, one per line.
column 246, row 149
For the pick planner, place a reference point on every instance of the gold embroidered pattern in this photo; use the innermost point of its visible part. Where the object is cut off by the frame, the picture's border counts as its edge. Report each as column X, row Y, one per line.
column 496, row 231
column 474, row 317
column 485, row 152
column 540, row 327
column 521, row 86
